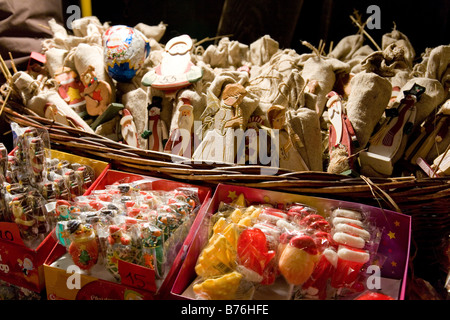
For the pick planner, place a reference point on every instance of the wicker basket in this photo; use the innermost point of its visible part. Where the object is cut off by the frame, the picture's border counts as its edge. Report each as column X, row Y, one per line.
column 426, row 200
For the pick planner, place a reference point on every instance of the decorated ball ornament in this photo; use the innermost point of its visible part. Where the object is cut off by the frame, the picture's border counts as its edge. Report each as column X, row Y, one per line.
column 125, row 50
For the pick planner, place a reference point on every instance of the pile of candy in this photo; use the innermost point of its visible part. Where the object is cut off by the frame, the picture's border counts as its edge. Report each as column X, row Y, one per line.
column 30, row 178
column 128, row 222
column 252, row 247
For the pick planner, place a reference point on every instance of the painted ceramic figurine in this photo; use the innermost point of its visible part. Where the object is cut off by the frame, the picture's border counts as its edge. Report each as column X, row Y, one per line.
column 181, row 138
column 157, row 130
column 176, row 69
column 341, row 132
column 129, row 131
column 70, row 88
column 83, row 247
column 289, row 156
column 97, row 93
column 222, row 118
column 385, row 143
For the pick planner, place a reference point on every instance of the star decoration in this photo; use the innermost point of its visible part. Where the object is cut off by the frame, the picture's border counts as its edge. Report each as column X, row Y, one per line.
column 391, row 235
column 397, row 224
column 393, row 263
column 232, row 195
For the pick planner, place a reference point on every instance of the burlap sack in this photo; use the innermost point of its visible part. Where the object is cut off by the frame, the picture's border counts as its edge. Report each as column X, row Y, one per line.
column 291, row 93
column 306, row 124
column 347, row 47
column 441, row 142
column 277, row 82
column 136, row 101
column 262, row 50
column 385, row 63
column 359, row 55
column 400, row 40
column 366, row 103
column 438, row 65
column 85, row 55
column 226, row 54
column 322, row 70
column 110, row 129
column 87, row 26
column 55, row 60
column 154, row 32
column 61, row 39
column 26, row 86
column 433, row 96
column 37, row 104
column 250, row 101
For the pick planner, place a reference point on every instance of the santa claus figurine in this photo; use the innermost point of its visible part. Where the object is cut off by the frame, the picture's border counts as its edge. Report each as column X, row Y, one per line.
column 129, row 132
column 181, row 138
column 157, row 130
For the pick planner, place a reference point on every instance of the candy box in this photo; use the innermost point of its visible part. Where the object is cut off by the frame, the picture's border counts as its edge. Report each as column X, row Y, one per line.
column 394, row 232
column 135, row 281
column 20, row 264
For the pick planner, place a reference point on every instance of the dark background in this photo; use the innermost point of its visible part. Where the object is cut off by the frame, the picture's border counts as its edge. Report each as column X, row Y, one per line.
column 425, row 23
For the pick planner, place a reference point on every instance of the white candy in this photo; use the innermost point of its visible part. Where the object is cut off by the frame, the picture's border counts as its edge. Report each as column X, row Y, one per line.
column 349, row 240
column 347, row 228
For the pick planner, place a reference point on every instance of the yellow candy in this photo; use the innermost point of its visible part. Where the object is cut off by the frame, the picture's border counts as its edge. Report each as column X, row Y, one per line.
column 220, row 225
column 231, row 233
column 236, row 216
column 246, row 222
column 217, row 258
column 222, row 288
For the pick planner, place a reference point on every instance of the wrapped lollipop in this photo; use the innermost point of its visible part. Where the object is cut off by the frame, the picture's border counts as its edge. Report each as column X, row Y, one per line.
column 316, row 286
column 36, row 154
column 272, row 215
column 342, row 215
column 23, row 217
column 298, row 260
column 350, row 261
column 315, row 222
column 120, row 246
column 65, row 210
column 36, row 204
column 298, row 211
column 71, row 184
column 152, row 249
column 83, row 247
column 253, row 254
column 85, row 177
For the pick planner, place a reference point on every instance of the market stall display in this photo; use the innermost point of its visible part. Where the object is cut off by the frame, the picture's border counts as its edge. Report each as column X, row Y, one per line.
column 357, row 124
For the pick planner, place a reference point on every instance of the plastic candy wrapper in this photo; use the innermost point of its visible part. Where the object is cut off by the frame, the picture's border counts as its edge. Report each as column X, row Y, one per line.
column 320, row 255
column 26, row 208
column 131, row 222
column 353, row 245
column 32, row 145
